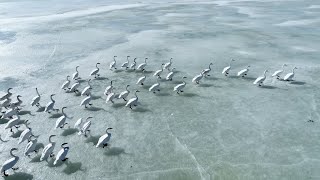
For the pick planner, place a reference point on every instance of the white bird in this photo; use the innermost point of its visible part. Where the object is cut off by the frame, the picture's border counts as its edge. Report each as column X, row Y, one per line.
column 78, row 123
column 104, row 139
column 260, row 79
column 61, row 156
column 87, row 90
column 290, row 76
column 113, row 63
column 16, row 103
column 155, row 87
column 95, row 72
column 126, row 64
column 86, row 101
column 243, row 72
column 74, row 87
column 110, row 97
column 25, row 134
column 124, row 94
column 133, row 64
column 197, row 78
column 226, row 70
column 36, row 99
column 168, row 64
column 207, row 71
column 50, row 106
column 170, row 74
column 7, row 95
column 61, row 122
column 279, row 72
column 143, row 65
column 133, row 101
column 66, row 84
column 75, row 75
column 85, row 127
column 179, row 87
column 142, row 79
column 9, row 113
column 48, row 149
column 13, row 123
column 158, row 72
column 31, row 146
column 5, row 103
column 8, row 164
column 108, row 89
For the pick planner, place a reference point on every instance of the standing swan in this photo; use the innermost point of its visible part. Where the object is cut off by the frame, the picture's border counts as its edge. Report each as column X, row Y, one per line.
column 61, row 122
column 126, row 64
column 49, row 107
column 155, row 87
column 36, row 100
column 6, row 96
column 113, row 63
column 17, row 103
column 25, row 134
column 207, row 71
column 197, row 78
column 104, row 139
column 48, row 150
column 142, row 79
column 74, row 87
column 85, row 127
column 124, row 94
column 108, row 89
column 133, row 101
column 168, row 64
column 86, row 101
column 8, row 164
column 87, row 90
column 31, row 146
column 170, row 75
column 13, row 123
column 279, row 72
column 243, row 72
column 226, row 70
column 75, row 75
column 260, row 79
column 66, row 84
column 61, row 156
column 158, row 72
column 133, row 65
column 142, row 66
column 95, row 72
column 179, row 87
column 290, row 76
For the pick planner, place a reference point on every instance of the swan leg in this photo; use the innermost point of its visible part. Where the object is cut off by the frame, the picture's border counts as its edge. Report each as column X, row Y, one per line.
column 15, row 168
column 178, row 92
column 51, row 155
column 181, row 91
column 104, row 145
column 142, row 84
column 130, row 106
column 124, row 99
column 64, row 159
column 90, row 104
column 85, row 106
column 158, row 89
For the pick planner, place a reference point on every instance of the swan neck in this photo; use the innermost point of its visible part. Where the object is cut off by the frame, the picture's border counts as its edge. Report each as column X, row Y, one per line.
column 13, row 154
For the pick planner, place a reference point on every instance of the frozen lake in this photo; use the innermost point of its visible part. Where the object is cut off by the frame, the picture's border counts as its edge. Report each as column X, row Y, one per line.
column 224, row 128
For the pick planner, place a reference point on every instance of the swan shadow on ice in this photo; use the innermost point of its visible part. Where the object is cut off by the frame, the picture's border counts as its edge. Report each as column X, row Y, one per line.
column 56, row 115
column 188, row 94
column 16, row 134
column 298, row 82
column 41, row 109
column 162, row 94
column 140, row 109
column 114, row 151
column 39, row 146
column 69, row 131
column 205, row 85
column 92, row 139
column 249, row 78
column 81, row 80
column 36, row 158
column 145, row 72
column 95, row 97
column 72, row 167
column 210, row 78
column 25, row 112
column 3, row 121
column 92, row 108
column 267, row 87
column 118, row 105
column 100, row 78
column 19, row 176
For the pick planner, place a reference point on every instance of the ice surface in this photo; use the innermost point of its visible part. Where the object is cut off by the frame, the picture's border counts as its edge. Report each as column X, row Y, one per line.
column 224, row 128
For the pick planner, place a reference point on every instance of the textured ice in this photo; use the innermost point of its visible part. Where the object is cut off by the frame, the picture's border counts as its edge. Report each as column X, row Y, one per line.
column 224, row 128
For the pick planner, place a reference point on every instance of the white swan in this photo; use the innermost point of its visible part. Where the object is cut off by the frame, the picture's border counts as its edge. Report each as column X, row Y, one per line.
column 133, row 101
column 48, row 149
column 66, row 84
column 158, row 72
column 50, row 106
column 142, row 66
column 133, row 64
column 168, row 64
column 87, row 90
column 61, row 156
column 179, row 87
column 155, row 87
column 110, row 97
column 142, row 79
column 113, row 63
column 74, row 87
column 31, row 146
column 36, row 99
column 290, row 76
column 7, row 95
column 108, row 89
column 279, row 72
column 61, row 122
column 75, row 75
column 104, row 139
column 126, row 64
column 124, row 94
column 86, row 101
column 170, row 74
column 260, row 79
column 78, row 123
column 9, row 113
column 5, row 103
column 226, row 70
column 243, row 72
column 16, row 103
column 8, row 164
column 95, row 72
column 85, row 127
column 25, row 134
column 13, row 123
column 197, row 78
column 207, row 71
